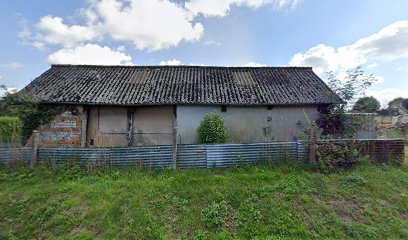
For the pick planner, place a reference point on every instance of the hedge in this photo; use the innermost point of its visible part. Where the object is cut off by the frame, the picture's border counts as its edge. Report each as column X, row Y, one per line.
column 10, row 129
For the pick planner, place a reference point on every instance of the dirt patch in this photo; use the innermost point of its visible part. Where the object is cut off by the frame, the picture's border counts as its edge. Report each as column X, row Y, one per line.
column 404, row 215
column 348, row 210
column 342, row 209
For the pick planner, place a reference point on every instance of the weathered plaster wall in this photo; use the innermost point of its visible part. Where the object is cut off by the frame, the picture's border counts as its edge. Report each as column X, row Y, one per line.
column 153, row 126
column 249, row 124
column 108, row 126
column 188, row 120
column 260, row 124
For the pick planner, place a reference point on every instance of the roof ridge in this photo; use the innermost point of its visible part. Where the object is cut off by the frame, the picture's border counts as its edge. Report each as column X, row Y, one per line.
column 176, row 66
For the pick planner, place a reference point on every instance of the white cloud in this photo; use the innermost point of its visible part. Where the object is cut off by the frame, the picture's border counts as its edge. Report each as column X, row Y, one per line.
column 4, row 90
column 221, row 8
column 89, row 54
column 25, row 32
column 390, row 43
column 254, row 64
column 148, row 24
column 386, row 95
column 55, row 31
column 171, row 62
column 211, row 42
column 12, row 65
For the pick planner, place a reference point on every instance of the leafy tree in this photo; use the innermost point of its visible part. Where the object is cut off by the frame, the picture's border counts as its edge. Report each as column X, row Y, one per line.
column 366, row 105
column 212, row 129
column 349, row 88
column 404, row 104
column 395, row 102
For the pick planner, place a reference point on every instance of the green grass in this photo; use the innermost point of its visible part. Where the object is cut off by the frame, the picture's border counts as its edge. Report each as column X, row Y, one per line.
column 263, row 202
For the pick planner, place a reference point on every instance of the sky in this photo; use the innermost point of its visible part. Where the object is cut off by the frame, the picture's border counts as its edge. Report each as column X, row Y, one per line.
column 328, row 35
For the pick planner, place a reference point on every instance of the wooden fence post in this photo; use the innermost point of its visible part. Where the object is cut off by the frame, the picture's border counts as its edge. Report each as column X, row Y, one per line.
column 312, row 145
column 84, row 126
column 34, row 148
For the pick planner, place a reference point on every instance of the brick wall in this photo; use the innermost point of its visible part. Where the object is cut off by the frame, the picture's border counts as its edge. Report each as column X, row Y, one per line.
column 63, row 131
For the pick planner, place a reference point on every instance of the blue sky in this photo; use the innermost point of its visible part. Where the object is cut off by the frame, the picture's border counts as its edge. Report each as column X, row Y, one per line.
column 327, row 35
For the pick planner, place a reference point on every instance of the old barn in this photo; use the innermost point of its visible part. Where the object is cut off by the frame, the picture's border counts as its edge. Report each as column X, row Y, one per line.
column 117, row 106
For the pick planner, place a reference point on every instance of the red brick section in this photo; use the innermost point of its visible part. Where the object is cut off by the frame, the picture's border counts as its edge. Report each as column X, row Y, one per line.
column 378, row 150
column 63, row 131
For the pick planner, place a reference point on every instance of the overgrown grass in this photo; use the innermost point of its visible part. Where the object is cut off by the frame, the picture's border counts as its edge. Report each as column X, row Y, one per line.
column 273, row 202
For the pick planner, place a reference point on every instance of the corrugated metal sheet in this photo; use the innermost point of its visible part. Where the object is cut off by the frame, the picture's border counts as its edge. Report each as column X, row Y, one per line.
column 198, row 156
column 60, row 156
column 188, row 156
column 14, row 154
column 302, row 151
column 191, row 156
column 225, row 155
column 157, row 85
column 155, row 157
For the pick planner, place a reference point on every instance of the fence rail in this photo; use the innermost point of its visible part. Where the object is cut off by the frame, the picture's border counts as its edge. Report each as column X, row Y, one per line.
column 195, row 156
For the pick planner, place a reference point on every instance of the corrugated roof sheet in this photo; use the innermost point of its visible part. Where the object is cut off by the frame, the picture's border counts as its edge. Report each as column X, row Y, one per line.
column 152, row 85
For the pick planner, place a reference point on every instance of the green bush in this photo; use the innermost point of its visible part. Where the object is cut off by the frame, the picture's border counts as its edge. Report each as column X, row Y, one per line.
column 10, row 129
column 331, row 156
column 212, row 129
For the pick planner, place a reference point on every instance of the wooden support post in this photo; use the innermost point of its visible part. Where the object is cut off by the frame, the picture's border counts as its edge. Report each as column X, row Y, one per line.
column 84, row 126
column 129, row 131
column 34, row 148
column 312, row 145
column 175, row 134
column 174, row 147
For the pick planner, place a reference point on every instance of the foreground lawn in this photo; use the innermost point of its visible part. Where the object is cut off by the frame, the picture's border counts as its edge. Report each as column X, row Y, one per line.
column 272, row 202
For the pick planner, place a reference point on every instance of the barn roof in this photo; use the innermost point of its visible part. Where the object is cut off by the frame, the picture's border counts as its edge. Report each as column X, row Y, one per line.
column 157, row 85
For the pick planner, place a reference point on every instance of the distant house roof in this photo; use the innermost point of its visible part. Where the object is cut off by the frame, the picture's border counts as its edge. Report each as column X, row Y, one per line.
column 158, row 85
